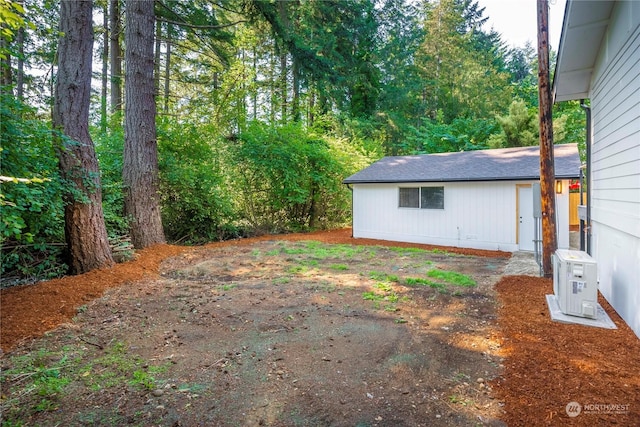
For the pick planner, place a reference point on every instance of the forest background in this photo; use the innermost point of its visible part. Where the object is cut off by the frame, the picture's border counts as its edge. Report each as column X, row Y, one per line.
column 262, row 109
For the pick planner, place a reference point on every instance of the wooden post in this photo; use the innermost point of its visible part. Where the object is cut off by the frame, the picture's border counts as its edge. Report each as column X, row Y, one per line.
column 547, row 171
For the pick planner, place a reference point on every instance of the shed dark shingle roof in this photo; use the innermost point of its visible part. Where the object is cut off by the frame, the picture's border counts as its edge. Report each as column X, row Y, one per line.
column 503, row 164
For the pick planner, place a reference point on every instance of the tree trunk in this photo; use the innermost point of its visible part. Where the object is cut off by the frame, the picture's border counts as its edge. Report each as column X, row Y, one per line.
column 85, row 231
column 295, row 102
column 272, row 84
column 167, row 70
column 254, row 95
column 156, row 59
column 105, row 69
column 140, row 163
column 311, row 116
column 547, row 171
column 284, row 19
column 20, row 65
column 116, row 58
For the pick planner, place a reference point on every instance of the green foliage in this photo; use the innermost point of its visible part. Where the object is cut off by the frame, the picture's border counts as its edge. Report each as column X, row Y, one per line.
column 109, row 149
column 285, row 178
column 31, row 210
column 376, row 275
column 569, row 123
column 12, row 18
column 452, row 277
column 462, row 134
column 519, row 127
column 43, row 375
column 463, row 67
column 196, row 204
column 418, row 281
column 33, row 382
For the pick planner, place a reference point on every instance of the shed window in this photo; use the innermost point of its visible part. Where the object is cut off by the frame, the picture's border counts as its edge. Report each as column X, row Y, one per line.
column 409, row 197
column 421, row 197
column 432, row 197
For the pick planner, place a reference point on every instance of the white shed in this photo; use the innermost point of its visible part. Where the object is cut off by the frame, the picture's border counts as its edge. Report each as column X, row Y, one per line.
column 599, row 59
column 471, row 199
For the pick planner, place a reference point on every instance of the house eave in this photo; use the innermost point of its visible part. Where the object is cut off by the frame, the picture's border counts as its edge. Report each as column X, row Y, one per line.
column 583, row 30
column 440, row 181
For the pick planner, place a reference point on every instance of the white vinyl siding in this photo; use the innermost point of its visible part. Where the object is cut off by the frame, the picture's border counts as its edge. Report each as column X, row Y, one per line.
column 615, row 163
column 615, row 154
column 478, row 215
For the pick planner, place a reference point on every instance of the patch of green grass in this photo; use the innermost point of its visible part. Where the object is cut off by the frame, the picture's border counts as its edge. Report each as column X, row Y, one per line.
column 141, row 379
column 294, row 250
column 319, row 250
column 297, row 269
column 442, row 252
column 384, row 287
column 281, row 280
column 408, row 250
column 38, row 379
column 418, row 281
column 383, row 293
column 228, row 286
column 117, row 367
column 452, row 277
column 372, row 296
column 339, row 267
column 383, row 277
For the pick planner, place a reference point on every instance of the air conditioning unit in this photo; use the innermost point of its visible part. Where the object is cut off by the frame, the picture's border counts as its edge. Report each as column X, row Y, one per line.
column 575, row 283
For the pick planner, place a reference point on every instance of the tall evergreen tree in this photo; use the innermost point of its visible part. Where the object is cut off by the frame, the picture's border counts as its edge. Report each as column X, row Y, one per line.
column 140, row 162
column 85, row 230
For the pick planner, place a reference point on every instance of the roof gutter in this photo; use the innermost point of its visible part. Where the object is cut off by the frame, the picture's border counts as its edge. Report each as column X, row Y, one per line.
column 587, row 111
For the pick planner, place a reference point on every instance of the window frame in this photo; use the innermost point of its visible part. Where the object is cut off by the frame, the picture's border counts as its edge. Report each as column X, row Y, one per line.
column 439, row 198
column 407, row 198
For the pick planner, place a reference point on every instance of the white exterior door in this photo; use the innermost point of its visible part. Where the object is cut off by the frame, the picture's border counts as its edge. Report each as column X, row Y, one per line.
column 526, row 223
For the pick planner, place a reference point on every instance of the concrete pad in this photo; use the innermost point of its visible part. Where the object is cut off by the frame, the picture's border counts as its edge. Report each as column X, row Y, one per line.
column 522, row 264
column 602, row 319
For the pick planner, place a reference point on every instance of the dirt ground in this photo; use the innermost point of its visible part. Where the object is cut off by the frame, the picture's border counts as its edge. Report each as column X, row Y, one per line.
column 313, row 329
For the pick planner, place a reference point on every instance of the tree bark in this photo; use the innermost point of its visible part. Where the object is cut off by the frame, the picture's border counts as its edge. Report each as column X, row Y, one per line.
column 105, row 69
column 547, row 171
column 140, row 163
column 284, row 19
column 295, row 102
column 85, row 231
column 20, row 65
column 156, row 60
column 115, row 26
column 167, row 70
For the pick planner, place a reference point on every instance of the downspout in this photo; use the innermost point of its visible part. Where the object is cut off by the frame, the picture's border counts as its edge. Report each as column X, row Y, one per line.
column 587, row 111
column 351, row 189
